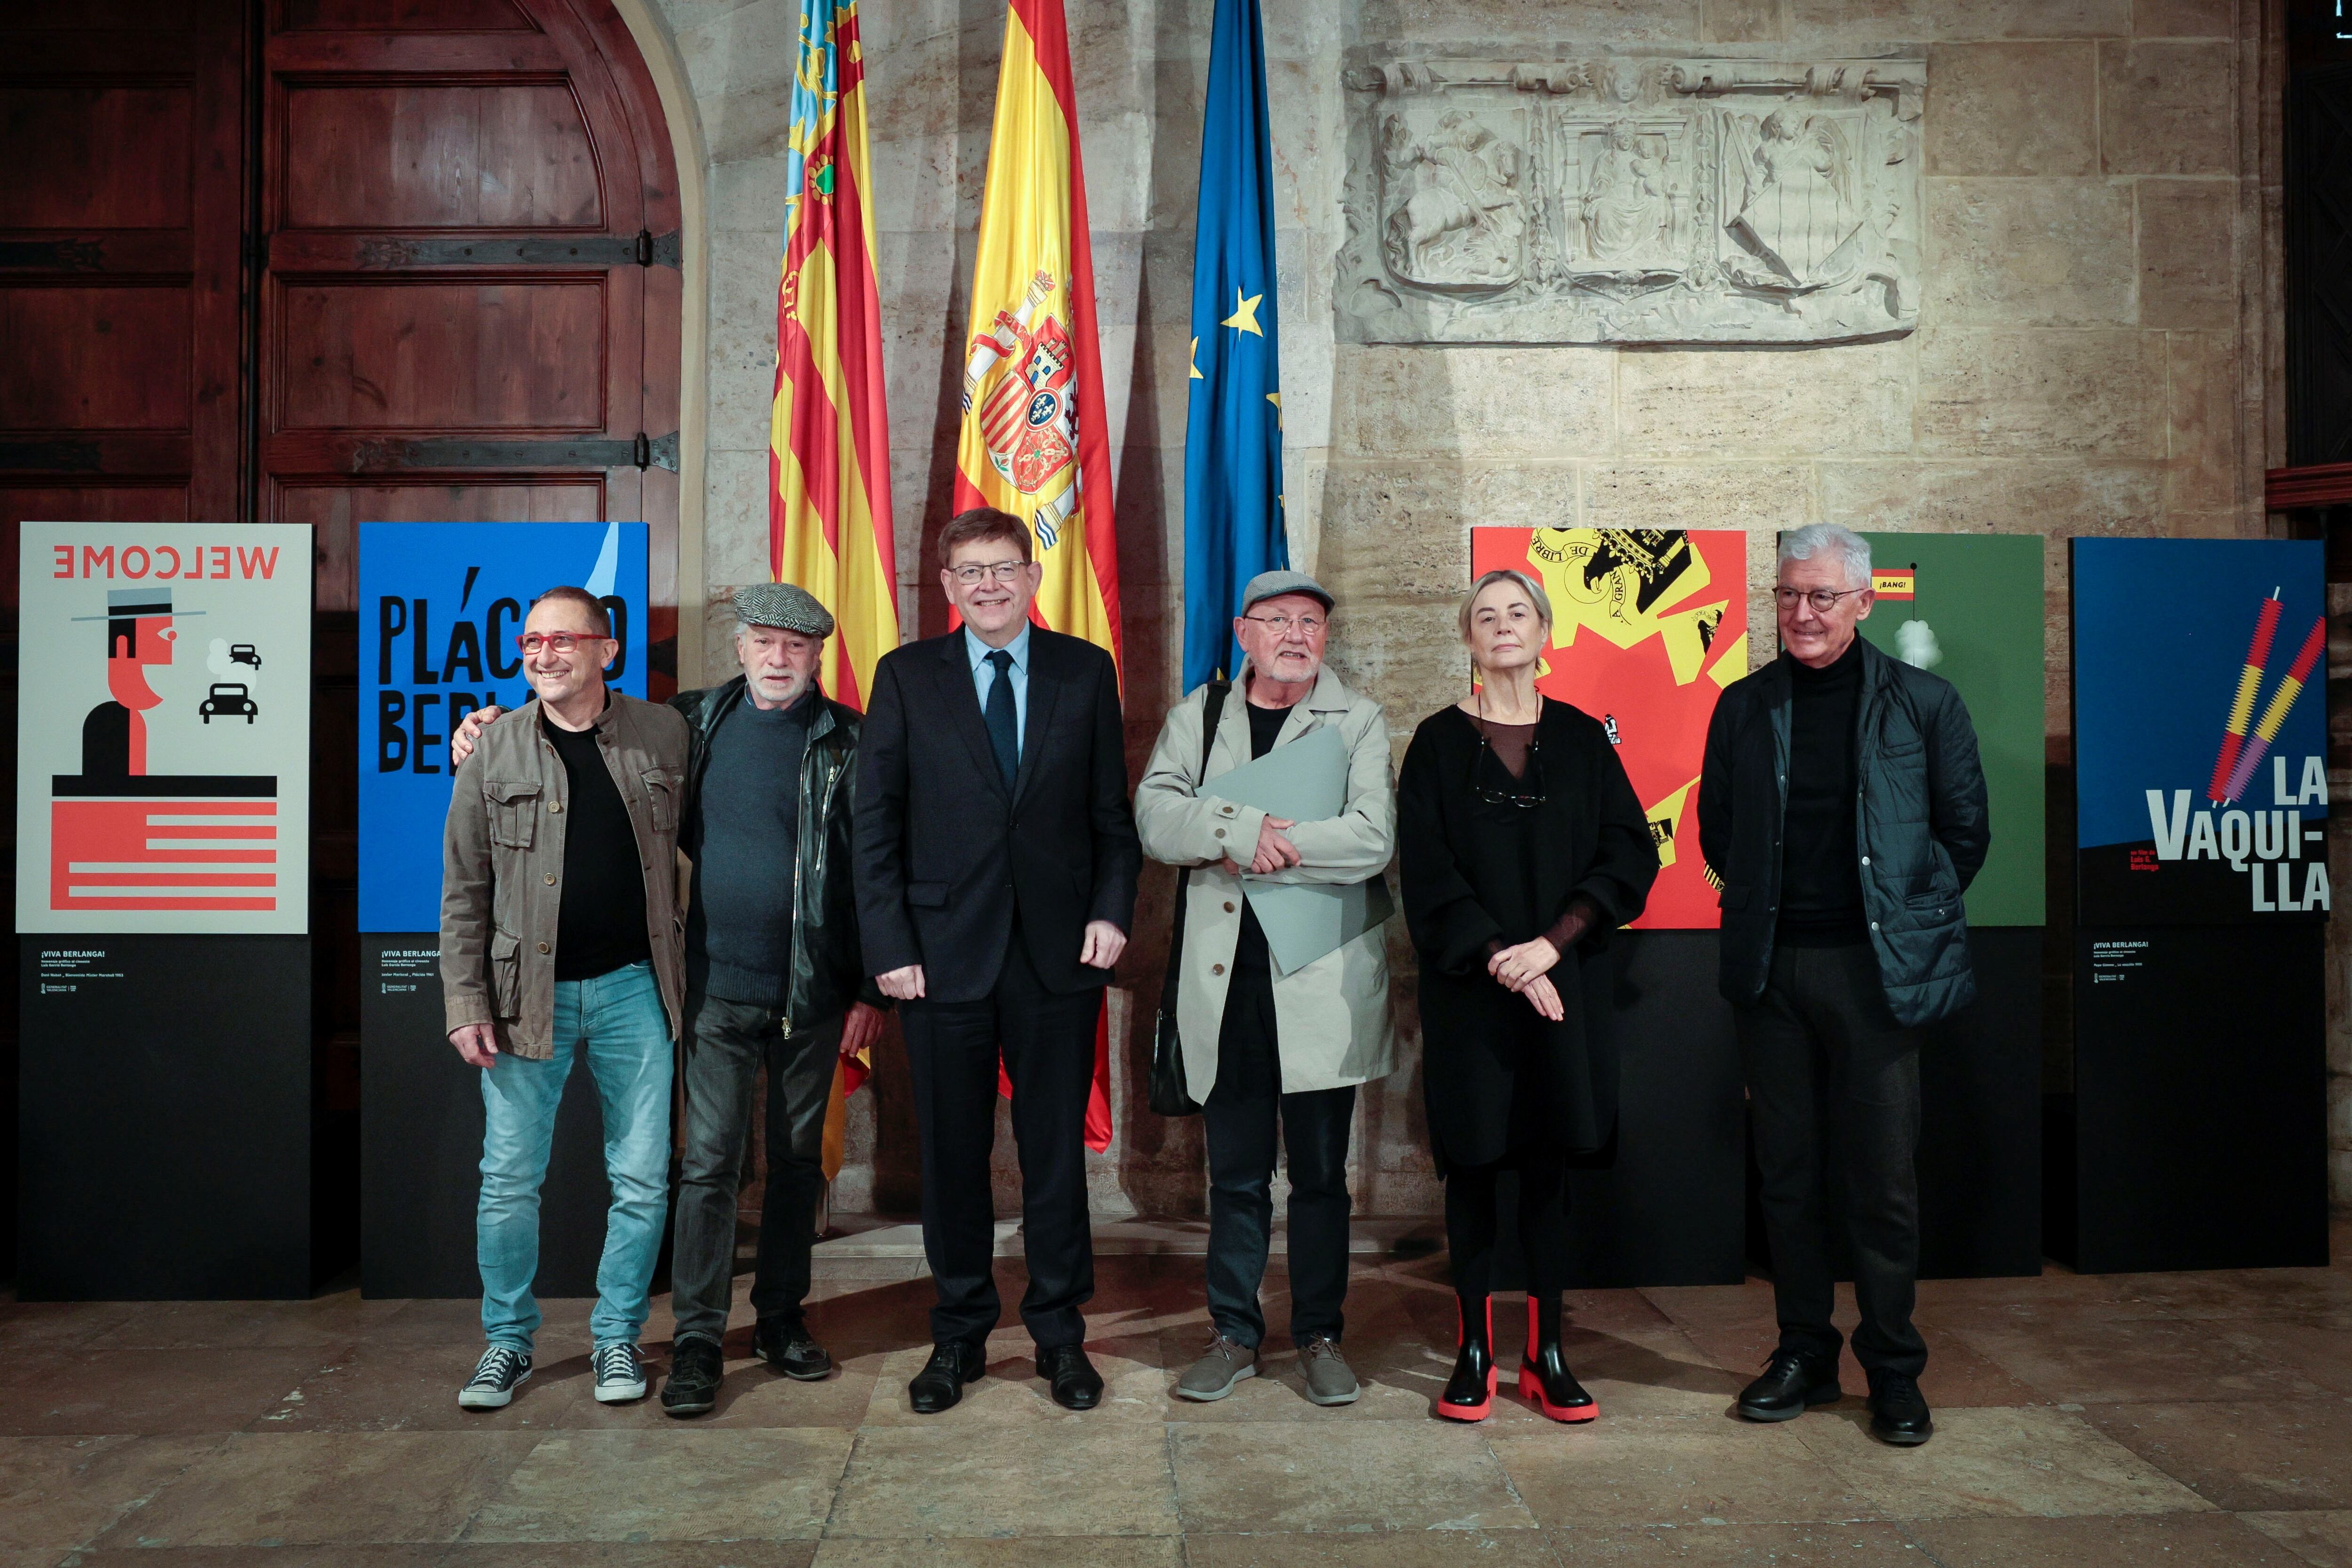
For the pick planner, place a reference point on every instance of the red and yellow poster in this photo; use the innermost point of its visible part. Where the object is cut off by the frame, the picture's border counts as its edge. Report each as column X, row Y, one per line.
column 1648, row 626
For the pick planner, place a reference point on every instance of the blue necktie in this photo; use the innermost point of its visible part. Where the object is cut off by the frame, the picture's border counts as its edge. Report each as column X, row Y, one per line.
column 1003, row 723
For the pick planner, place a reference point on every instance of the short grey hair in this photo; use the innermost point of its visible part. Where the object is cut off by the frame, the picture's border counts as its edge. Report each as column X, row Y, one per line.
column 1803, row 544
column 1536, row 596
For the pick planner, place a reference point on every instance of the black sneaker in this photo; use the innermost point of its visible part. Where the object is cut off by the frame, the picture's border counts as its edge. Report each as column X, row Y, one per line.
column 696, row 1368
column 785, row 1344
column 1898, row 1412
column 620, row 1376
column 1791, row 1385
column 495, row 1376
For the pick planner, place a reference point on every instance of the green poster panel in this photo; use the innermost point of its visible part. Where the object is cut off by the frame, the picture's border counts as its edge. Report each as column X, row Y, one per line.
column 1973, row 614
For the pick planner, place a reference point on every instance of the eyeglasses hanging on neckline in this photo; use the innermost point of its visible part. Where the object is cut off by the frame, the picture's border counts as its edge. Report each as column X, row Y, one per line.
column 1494, row 797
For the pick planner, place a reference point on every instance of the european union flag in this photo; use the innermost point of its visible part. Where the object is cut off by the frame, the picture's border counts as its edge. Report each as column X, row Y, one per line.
column 1233, row 435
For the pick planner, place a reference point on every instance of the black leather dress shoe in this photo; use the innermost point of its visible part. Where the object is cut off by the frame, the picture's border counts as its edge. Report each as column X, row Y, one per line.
column 696, row 1368
column 940, row 1383
column 1791, row 1383
column 1076, row 1384
column 1899, row 1413
column 785, row 1344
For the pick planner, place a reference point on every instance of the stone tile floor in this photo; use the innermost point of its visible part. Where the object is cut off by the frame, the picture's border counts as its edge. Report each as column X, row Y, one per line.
column 2190, row 1420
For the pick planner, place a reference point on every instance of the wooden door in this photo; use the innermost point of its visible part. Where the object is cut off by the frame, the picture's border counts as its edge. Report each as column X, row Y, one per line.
column 470, row 307
column 122, row 221
column 469, row 312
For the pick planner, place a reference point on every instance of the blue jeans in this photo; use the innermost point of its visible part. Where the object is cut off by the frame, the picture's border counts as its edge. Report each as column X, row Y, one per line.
column 620, row 1019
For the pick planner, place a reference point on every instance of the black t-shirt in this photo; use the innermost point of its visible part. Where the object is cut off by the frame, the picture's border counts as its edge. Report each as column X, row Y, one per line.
column 1249, row 1061
column 1821, row 867
column 600, row 926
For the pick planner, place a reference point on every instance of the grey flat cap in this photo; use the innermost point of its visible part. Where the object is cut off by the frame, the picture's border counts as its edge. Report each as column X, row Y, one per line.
column 1275, row 584
column 784, row 605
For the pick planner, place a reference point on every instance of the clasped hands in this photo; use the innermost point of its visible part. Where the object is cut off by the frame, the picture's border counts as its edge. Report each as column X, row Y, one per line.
column 1274, row 852
column 1525, row 969
column 1103, row 945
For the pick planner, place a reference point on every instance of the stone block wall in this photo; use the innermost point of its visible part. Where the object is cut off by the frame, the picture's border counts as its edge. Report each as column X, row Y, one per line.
column 2098, row 353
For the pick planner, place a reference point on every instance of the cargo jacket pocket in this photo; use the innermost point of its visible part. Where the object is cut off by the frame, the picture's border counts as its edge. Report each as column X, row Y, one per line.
column 506, row 976
column 663, row 786
column 514, row 811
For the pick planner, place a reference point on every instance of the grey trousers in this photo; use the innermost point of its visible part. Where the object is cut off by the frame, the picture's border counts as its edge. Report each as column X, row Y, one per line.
column 726, row 1043
column 1834, row 1100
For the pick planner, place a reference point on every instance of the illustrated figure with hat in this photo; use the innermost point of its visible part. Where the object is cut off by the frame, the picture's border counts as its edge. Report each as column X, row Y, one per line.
column 773, row 978
column 140, row 635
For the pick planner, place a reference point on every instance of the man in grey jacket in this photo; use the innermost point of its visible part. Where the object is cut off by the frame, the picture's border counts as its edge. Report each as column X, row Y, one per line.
column 1843, row 805
column 1261, row 1048
column 560, row 935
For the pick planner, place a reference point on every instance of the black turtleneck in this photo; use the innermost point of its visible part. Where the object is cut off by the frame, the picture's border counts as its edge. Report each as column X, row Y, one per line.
column 1821, row 870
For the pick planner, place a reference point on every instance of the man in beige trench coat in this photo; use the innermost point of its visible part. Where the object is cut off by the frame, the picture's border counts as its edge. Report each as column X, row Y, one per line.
column 1263, row 1048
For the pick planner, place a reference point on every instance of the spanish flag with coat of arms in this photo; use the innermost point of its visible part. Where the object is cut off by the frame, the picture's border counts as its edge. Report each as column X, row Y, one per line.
column 1033, row 442
column 829, row 437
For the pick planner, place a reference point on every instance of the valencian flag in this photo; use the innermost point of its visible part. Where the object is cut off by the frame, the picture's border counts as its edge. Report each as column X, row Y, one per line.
column 829, row 432
column 1033, row 442
column 829, row 438
column 1233, row 432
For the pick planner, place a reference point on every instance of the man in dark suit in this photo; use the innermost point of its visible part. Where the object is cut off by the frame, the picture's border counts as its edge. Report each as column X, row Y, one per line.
column 996, row 867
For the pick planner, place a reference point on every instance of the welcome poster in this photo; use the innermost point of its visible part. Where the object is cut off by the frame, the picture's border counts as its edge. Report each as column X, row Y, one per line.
column 163, row 728
column 1648, row 626
column 2201, row 731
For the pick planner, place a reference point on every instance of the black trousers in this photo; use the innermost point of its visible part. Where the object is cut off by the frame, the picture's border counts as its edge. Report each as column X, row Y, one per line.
column 1241, row 1137
column 1047, row 1042
column 1471, row 1222
column 1833, row 1101
column 726, row 1043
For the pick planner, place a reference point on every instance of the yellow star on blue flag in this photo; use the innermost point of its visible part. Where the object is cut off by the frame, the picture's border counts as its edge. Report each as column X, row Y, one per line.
column 1233, row 430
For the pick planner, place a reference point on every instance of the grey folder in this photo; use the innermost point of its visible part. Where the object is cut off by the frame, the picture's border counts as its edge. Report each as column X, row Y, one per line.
column 1305, row 782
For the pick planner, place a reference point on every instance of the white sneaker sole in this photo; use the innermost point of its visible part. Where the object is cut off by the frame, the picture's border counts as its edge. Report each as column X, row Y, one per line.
column 1205, row 1396
column 1349, row 1397
column 620, row 1392
column 489, row 1398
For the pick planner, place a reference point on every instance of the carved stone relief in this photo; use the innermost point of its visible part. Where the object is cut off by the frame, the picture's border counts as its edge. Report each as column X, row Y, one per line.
column 1629, row 199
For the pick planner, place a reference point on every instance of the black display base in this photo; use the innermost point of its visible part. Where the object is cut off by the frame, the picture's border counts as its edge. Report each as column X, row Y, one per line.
column 1980, row 1119
column 1980, row 1132
column 2200, row 1097
column 1669, row 1212
column 166, row 1119
column 421, row 1144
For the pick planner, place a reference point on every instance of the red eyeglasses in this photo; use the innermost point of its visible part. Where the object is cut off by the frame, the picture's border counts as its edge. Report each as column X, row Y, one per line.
column 555, row 641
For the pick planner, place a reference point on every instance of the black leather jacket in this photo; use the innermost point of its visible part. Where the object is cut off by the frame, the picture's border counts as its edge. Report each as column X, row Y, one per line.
column 1922, row 828
column 828, row 965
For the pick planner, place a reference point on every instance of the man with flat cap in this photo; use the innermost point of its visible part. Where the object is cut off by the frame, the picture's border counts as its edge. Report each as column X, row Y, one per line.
column 1264, row 1052
column 774, row 977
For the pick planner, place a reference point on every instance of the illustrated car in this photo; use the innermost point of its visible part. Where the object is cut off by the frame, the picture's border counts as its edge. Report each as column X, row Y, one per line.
column 229, row 699
column 244, row 653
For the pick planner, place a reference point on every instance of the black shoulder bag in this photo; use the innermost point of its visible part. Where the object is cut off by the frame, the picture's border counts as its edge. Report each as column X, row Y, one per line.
column 1168, row 1097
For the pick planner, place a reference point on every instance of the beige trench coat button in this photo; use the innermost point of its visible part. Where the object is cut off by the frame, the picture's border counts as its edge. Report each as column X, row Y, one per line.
column 1216, row 969
column 542, row 947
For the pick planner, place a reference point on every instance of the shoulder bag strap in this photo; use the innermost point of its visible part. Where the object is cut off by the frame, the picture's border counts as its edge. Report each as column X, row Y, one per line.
column 1213, row 709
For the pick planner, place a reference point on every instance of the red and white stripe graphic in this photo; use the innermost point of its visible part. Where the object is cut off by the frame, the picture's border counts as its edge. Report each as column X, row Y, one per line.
column 163, row 854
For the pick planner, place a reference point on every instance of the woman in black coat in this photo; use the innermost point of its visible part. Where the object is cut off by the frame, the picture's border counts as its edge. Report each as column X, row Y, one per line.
column 1521, row 848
